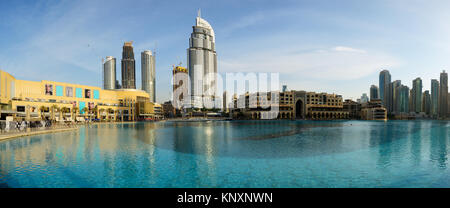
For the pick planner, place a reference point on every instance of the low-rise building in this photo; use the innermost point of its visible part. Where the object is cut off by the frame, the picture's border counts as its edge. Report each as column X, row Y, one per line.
column 353, row 108
column 50, row 100
column 373, row 110
column 290, row 105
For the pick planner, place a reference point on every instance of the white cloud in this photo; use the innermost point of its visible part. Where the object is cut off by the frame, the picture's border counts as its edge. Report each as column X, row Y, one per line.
column 335, row 63
column 348, row 49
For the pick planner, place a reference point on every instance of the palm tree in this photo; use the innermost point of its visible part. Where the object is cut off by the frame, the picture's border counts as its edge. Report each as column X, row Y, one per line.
column 101, row 113
column 74, row 112
column 109, row 111
column 54, row 108
column 95, row 110
column 42, row 109
column 85, row 110
column 64, row 110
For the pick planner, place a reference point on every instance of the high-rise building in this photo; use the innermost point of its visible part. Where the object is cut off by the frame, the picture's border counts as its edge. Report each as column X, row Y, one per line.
column 180, row 86
column 202, row 63
column 109, row 73
column 410, row 101
column 402, row 99
column 364, row 98
column 426, row 102
column 374, row 92
column 434, row 97
column 417, row 95
column 128, row 67
column 443, row 94
column 392, row 95
column 148, row 74
column 118, row 86
column 385, row 80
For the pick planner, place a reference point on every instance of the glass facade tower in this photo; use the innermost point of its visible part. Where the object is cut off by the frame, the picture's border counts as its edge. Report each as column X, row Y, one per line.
column 374, row 92
column 148, row 74
column 109, row 73
column 384, row 81
column 128, row 67
column 434, row 97
column 202, row 63
column 417, row 95
column 443, row 95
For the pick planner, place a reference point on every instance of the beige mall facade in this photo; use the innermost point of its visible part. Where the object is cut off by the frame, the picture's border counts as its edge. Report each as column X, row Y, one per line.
column 50, row 100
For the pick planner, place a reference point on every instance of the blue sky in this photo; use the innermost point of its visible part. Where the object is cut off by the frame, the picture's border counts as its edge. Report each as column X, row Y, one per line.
column 332, row 46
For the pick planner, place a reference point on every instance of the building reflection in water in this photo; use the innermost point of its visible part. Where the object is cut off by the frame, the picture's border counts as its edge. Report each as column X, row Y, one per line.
column 416, row 142
column 438, row 144
column 158, row 153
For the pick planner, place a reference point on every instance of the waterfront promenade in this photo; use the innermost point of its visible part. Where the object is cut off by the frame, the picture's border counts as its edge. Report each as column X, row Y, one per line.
column 36, row 131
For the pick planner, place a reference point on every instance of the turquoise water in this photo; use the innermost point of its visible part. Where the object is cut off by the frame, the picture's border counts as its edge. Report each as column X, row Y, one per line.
column 233, row 154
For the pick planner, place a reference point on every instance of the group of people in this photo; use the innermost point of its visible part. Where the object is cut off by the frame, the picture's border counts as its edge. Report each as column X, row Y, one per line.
column 7, row 126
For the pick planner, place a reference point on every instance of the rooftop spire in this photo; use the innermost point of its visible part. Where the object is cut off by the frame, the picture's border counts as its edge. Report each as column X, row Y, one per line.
column 199, row 13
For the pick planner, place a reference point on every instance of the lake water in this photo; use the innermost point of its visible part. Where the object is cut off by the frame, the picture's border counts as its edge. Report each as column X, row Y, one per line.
column 233, row 154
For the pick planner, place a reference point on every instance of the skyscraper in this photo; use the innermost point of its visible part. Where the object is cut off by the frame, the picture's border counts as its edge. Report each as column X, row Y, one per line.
column 109, row 73
column 434, row 97
column 180, row 80
column 392, row 95
column 148, row 74
column 417, row 95
column 374, row 92
column 128, row 67
column 410, row 101
column 426, row 102
column 402, row 99
column 202, row 62
column 364, row 98
column 384, row 81
column 443, row 94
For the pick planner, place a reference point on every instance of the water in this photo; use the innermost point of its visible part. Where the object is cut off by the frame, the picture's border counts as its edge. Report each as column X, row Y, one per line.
column 233, row 154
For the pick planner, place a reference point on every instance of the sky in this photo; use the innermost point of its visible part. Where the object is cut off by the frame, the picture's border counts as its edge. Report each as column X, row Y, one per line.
column 322, row 46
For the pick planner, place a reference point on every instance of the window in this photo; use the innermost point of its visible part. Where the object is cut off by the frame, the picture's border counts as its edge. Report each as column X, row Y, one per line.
column 59, row 90
column 69, row 92
column 81, row 106
column 96, row 94
column 79, row 93
column 20, row 108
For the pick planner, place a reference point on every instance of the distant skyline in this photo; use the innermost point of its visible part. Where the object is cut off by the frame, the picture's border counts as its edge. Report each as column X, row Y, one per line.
column 322, row 46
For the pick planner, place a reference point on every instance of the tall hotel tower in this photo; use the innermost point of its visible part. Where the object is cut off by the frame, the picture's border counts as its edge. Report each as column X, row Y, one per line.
column 109, row 73
column 148, row 74
column 128, row 67
column 202, row 62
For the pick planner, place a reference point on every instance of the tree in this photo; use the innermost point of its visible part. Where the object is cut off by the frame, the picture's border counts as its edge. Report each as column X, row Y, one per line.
column 95, row 110
column 85, row 110
column 64, row 110
column 101, row 113
column 75, row 110
column 54, row 108
column 42, row 109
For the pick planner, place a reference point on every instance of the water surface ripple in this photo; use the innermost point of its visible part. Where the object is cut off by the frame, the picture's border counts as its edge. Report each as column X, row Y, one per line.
column 233, row 154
